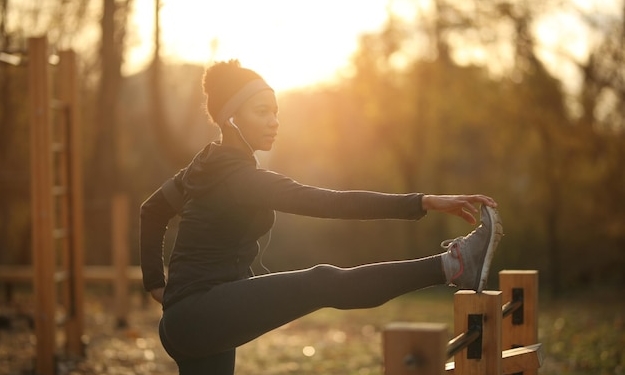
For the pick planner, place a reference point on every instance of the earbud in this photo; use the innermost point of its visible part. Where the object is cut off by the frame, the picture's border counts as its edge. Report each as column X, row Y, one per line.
column 231, row 120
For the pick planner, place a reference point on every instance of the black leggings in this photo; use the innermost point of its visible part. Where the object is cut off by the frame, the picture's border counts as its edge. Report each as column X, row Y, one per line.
column 202, row 331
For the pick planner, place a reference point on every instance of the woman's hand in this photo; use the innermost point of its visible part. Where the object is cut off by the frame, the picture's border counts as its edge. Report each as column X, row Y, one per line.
column 157, row 294
column 459, row 205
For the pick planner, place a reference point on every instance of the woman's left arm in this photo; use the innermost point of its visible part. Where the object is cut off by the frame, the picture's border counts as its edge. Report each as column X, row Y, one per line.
column 155, row 215
column 274, row 191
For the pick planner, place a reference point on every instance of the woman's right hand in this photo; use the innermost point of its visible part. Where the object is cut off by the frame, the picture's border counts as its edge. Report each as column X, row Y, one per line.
column 157, row 294
column 462, row 206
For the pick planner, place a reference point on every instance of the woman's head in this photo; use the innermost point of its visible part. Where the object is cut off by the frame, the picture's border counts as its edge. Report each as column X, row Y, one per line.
column 241, row 94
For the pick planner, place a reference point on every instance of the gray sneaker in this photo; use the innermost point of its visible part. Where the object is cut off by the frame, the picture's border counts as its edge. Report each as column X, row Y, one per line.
column 467, row 260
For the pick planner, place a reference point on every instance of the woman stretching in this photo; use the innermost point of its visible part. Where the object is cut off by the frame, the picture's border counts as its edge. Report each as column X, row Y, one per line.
column 211, row 301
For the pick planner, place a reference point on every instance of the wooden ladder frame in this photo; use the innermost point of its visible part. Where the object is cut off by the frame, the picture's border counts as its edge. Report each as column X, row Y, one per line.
column 57, row 204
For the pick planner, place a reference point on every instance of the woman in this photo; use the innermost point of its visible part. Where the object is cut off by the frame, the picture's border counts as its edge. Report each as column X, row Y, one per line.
column 211, row 301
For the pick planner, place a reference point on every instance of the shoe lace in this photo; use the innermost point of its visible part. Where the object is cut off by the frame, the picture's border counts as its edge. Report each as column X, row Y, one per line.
column 447, row 243
column 451, row 246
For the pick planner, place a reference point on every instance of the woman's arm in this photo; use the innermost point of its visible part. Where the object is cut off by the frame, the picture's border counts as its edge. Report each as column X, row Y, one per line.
column 155, row 215
column 275, row 191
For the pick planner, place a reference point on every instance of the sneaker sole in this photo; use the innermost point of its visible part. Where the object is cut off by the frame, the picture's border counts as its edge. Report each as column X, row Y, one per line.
column 495, row 236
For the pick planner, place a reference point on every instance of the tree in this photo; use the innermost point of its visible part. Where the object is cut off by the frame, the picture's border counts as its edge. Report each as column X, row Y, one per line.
column 100, row 188
column 601, row 125
column 174, row 150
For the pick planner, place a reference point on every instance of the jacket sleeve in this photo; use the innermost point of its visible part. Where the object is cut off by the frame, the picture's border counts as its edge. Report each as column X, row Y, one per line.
column 275, row 191
column 156, row 212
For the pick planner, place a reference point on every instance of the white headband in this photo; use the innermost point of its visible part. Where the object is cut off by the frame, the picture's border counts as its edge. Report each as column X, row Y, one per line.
column 251, row 88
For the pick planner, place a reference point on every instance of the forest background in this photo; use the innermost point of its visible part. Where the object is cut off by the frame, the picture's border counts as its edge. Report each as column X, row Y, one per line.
column 413, row 113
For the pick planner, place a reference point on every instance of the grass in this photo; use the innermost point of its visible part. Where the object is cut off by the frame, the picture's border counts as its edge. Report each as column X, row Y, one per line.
column 582, row 333
column 339, row 342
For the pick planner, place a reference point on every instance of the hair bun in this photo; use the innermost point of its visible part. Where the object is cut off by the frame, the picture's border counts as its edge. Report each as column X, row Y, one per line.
column 221, row 81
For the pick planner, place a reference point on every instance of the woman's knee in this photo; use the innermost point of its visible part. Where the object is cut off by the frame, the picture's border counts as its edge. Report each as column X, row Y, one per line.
column 326, row 271
column 324, row 278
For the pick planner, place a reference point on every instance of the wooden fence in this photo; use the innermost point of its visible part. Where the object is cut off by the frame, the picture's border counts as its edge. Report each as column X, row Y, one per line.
column 491, row 337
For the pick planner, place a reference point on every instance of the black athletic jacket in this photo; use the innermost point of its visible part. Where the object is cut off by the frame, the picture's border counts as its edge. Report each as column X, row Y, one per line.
column 226, row 204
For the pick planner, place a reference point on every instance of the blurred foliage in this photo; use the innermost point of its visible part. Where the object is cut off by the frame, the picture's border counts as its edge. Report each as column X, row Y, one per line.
column 585, row 335
column 413, row 114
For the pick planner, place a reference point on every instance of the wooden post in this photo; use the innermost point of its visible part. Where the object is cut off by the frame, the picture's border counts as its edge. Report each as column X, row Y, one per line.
column 414, row 348
column 485, row 309
column 521, row 328
column 120, row 257
column 68, row 94
column 41, row 202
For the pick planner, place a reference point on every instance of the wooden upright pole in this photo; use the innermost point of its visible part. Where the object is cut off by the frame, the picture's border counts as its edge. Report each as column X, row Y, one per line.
column 521, row 328
column 481, row 310
column 120, row 256
column 68, row 94
column 41, row 193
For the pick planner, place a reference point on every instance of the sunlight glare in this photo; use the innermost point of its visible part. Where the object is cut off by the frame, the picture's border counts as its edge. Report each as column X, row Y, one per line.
column 309, row 351
column 563, row 41
column 290, row 43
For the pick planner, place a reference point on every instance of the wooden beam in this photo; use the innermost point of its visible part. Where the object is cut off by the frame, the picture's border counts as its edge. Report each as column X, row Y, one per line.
column 524, row 359
column 120, row 250
column 527, row 358
column 94, row 274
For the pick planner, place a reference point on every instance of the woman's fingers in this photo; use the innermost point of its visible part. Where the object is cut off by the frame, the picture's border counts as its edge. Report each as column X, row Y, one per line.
column 485, row 200
column 467, row 216
column 468, row 205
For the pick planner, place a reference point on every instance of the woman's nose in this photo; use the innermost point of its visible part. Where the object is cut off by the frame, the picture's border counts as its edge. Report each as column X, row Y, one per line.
column 274, row 121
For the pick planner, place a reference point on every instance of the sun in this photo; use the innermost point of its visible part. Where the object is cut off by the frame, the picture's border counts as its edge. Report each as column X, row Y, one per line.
column 290, row 43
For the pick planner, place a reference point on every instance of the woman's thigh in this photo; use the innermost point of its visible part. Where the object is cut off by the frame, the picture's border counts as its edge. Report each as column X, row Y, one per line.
column 231, row 314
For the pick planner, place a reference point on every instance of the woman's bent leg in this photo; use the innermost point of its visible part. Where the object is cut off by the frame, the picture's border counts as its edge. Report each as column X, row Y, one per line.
column 234, row 313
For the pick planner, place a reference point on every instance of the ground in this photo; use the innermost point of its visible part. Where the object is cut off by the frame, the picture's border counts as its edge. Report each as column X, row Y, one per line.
column 581, row 334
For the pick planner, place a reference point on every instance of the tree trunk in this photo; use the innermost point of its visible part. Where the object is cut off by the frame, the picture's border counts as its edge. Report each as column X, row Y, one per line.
column 173, row 150
column 105, row 178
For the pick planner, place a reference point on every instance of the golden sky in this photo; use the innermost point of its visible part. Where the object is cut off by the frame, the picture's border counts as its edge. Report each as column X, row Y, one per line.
column 295, row 43
column 291, row 43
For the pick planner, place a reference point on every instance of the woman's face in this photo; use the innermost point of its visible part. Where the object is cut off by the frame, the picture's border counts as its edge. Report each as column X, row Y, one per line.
column 257, row 119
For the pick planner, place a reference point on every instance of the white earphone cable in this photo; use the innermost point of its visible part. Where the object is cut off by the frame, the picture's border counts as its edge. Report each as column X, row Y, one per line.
column 266, row 245
column 262, row 252
column 231, row 119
